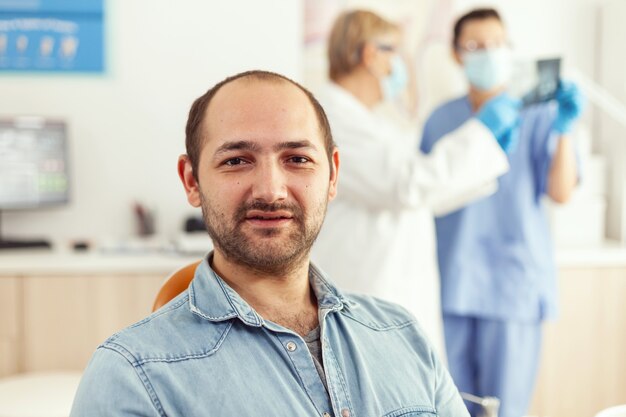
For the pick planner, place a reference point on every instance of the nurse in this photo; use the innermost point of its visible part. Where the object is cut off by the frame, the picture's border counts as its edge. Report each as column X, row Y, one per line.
column 495, row 255
column 387, row 190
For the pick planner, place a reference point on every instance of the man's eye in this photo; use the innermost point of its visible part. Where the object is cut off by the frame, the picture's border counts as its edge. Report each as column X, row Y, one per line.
column 234, row 161
column 299, row 159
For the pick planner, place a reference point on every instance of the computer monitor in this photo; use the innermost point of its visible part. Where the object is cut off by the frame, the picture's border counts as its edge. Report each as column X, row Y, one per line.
column 33, row 164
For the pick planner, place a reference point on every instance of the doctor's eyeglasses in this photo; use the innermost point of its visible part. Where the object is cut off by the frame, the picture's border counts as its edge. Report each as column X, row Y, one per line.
column 472, row 46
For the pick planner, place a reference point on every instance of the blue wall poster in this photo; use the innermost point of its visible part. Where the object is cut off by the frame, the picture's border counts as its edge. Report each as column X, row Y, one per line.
column 51, row 35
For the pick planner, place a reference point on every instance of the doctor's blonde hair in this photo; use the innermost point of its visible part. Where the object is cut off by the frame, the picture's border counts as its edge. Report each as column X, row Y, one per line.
column 349, row 34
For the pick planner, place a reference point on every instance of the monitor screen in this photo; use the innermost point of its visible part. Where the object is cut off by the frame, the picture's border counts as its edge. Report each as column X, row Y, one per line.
column 33, row 163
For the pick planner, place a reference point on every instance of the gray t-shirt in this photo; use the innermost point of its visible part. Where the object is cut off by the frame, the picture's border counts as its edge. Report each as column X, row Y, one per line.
column 315, row 347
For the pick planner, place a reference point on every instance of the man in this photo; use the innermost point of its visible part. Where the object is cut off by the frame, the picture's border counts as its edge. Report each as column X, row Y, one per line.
column 495, row 255
column 260, row 331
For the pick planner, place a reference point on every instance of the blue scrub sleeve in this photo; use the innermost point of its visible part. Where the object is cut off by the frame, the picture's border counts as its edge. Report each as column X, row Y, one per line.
column 443, row 120
column 427, row 142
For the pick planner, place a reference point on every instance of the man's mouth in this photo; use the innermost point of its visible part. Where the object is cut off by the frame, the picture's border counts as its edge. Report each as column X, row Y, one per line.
column 268, row 219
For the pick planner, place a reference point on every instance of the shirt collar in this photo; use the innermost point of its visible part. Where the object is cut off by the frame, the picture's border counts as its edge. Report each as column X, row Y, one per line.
column 211, row 298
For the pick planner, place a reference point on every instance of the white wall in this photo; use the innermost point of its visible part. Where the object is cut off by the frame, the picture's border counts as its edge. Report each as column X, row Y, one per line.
column 127, row 126
column 612, row 133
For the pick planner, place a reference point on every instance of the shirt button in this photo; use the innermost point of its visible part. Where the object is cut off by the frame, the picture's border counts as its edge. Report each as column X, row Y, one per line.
column 325, row 415
column 345, row 413
column 291, row 346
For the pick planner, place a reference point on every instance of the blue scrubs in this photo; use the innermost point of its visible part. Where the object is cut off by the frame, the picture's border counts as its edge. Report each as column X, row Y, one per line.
column 497, row 266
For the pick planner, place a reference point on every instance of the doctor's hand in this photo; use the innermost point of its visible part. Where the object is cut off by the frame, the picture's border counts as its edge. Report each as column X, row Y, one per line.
column 501, row 115
column 571, row 102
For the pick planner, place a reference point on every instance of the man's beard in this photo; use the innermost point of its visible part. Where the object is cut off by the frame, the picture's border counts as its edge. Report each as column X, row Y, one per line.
column 272, row 258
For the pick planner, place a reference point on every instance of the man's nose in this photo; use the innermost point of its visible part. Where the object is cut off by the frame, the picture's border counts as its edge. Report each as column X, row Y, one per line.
column 270, row 183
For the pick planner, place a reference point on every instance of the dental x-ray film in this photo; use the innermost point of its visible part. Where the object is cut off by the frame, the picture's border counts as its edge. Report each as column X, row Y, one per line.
column 536, row 81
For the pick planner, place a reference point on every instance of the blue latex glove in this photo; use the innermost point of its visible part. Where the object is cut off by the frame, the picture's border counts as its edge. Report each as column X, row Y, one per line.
column 508, row 140
column 571, row 103
column 501, row 115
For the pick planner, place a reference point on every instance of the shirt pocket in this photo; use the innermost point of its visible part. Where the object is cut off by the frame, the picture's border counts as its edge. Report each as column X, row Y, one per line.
column 412, row 412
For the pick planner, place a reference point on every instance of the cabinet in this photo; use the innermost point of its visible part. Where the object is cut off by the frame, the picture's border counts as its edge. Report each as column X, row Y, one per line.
column 583, row 365
column 66, row 318
column 55, row 310
column 10, row 325
column 52, row 323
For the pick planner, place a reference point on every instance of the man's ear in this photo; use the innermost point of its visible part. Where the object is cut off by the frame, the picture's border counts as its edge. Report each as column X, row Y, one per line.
column 334, row 174
column 192, row 188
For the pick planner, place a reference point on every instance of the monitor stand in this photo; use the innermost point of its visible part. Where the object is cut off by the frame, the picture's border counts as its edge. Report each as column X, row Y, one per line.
column 22, row 243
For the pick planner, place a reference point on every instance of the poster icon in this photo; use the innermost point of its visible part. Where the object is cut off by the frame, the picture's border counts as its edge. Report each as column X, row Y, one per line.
column 69, row 45
column 46, row 46
column 21, row 44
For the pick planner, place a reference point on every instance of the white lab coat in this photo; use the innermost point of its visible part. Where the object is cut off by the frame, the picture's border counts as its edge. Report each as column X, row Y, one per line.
column 378, row 237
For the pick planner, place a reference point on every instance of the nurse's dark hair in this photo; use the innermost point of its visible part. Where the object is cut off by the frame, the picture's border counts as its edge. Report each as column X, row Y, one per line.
column 476, row 14
column 195, row 139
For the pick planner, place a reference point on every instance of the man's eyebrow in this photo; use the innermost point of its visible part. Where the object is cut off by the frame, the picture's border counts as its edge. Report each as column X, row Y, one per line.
column 236, row 146
column 295, row 144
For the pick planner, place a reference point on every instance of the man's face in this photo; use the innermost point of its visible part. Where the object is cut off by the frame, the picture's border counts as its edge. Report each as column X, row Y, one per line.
column 264, row 180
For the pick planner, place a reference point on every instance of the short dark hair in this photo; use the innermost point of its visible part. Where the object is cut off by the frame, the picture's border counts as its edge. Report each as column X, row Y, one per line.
column 476, row 14
column 193, row 134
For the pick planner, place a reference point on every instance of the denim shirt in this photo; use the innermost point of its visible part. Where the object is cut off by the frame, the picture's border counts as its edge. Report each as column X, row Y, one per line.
column 208, row 353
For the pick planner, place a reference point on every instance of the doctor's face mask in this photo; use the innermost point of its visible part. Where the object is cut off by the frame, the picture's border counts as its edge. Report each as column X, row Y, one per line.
column 487, row 69
column 481, row 47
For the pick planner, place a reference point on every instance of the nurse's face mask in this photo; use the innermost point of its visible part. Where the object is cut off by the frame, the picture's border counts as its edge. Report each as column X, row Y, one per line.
column 393, row 83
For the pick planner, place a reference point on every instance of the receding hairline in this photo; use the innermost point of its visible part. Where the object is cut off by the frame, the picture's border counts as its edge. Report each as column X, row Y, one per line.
column 255, row 78
column 252, row 78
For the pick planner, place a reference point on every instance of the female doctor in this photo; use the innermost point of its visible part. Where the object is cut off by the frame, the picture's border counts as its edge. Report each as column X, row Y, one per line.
column 378, row 236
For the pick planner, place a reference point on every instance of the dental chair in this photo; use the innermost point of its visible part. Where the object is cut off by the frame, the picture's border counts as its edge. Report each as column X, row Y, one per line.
column 618, row 411
column 175, row 284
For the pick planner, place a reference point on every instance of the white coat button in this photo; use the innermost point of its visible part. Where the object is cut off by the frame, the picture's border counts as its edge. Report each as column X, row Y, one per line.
column 291, row 346
column 345, row 413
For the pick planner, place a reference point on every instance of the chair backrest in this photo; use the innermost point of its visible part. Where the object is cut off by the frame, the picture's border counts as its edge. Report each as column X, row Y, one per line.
column 175, row 284
column 618, row 411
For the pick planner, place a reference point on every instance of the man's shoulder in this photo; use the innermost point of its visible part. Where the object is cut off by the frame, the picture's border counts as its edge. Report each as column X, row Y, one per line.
column 378, row 314
column 169, row 334
column 381, row 316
